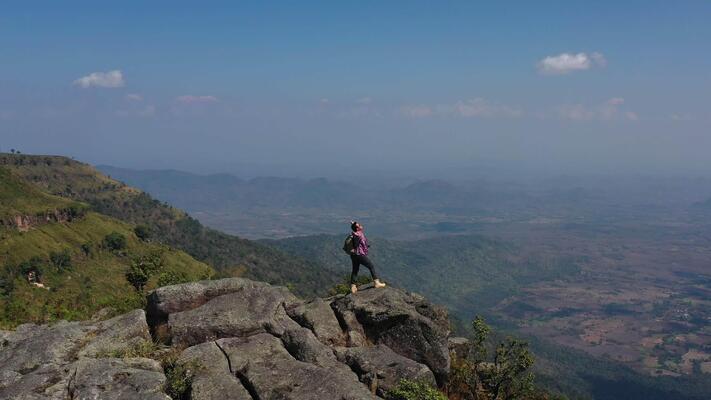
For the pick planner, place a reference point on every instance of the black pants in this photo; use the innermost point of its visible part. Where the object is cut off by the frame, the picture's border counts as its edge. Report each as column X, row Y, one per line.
column 357, row 261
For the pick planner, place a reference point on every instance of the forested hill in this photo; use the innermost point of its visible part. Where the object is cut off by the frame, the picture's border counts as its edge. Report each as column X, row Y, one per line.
column 468, row 273
column 229, row 255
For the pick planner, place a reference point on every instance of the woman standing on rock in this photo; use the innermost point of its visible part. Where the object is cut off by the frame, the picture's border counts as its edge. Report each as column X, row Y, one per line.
column 359, row 256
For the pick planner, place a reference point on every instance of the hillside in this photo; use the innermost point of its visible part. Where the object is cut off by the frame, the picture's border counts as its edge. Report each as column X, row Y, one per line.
column 77, row 269
column 459, row 271
column 229, row 255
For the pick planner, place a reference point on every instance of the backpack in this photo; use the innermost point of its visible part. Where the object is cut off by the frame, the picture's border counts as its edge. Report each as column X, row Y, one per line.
column 349, row 244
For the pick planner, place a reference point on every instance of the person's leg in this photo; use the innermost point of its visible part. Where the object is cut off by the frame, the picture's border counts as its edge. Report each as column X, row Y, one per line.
column 368, row 264
column 356, row 267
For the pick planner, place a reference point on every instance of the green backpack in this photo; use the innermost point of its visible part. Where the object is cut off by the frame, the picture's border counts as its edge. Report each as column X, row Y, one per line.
column 349, row 244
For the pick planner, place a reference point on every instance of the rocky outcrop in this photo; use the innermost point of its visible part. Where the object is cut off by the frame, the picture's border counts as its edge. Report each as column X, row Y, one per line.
column 62, row 361
column 236, row 339
column 24, row 223
column 406, row 323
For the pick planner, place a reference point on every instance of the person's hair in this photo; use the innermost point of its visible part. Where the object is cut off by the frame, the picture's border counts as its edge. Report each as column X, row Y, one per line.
column 354, row 225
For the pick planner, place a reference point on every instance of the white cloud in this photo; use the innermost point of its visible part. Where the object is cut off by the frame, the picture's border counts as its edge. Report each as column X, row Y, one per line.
column 473, row 108
column 480, row 107
column 190, row 99
column 110, row 79
column 566, row 63
column 134, row 97
column 147, row 111
column 682, row 117
column 607, row 111
column 416, row 111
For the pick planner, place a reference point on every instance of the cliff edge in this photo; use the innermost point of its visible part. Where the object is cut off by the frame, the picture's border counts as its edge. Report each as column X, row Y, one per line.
column 234, row 339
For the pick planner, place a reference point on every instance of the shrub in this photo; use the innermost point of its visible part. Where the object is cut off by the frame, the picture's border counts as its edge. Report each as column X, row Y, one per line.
column 34, row 264
column 115, row 241
column 142, row 232
column 86, row 248
column 171, row 278
column 137, row 276
column 178, row 377
column 411, row 390
column 60, row 259
column 143, row 268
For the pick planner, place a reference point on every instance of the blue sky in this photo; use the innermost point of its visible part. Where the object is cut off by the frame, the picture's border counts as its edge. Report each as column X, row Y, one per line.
column 604, row 86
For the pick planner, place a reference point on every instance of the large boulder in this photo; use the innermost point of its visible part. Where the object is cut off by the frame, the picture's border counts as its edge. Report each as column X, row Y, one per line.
column 405, row 322
column 43, row 361
column 381, row 369
column 267, row 370
column 116, row 379
column 318, row 316
column 236, row 340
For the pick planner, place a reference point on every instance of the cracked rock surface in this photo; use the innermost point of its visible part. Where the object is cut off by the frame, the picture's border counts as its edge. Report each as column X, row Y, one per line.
column 238, row 339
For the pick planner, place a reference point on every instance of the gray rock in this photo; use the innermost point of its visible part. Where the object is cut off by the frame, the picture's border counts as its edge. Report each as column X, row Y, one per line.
column 118, row 333
column 116, row 379
column 459, row 346
column 212, row 378
column 406, row 323
column 318, row 316
column 381, row 369
column 246, row 312
column 37, row 361
column 175, row 298
column 268, row 371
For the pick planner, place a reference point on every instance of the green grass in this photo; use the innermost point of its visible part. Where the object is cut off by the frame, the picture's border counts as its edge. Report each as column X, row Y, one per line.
column 17, row 198
column 90, row 283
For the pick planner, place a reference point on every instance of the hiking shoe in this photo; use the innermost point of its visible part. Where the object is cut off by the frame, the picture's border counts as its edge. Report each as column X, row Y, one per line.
column 379, row 284
column 354, row 289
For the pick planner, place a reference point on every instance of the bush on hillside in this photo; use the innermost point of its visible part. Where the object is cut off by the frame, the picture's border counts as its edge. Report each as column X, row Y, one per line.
column 142, row 232
column 33, row 265
column 411, row 390
column 115, row 241
column 172, row 278
column 60, row 259
column 86, row 248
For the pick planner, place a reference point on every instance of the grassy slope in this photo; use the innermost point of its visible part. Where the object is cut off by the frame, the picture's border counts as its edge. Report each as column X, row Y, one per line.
column 18, row 199
column 92, row 281
column 230, row 255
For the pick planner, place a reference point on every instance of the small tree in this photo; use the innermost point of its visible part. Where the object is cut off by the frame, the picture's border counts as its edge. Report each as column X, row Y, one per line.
column 60, row 259
column 477, row 376
column 137, row 276
column 143, row 268
column 509, row 379
column 115, row 241
column 86, row 248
